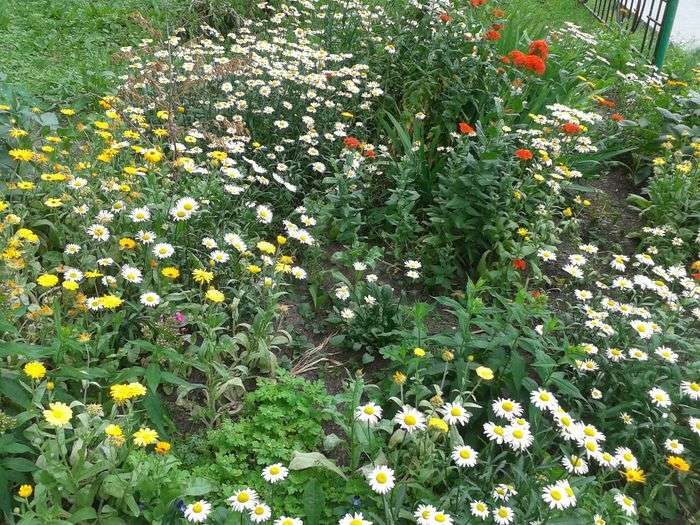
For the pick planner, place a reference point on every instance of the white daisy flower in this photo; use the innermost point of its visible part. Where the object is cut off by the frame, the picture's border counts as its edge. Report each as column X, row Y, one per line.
column 242, row 500
column 464, row 456
column 410, row 419
column 198, row 511
column 479, row 509
column 381, row 479
column 369, row 413
column 149, row 299
column 455, row 414
column 275, row 473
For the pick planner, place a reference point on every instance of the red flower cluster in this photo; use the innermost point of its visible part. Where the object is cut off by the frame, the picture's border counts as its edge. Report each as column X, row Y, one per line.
column 444, row 17
column 523, row 154
column 539, row 48
column 477, row 3
column 616, row 117
column 466, row 129
column 492, row 35
column 519, row 264
column 351, row 143
column 534, row 61
column 571, row 128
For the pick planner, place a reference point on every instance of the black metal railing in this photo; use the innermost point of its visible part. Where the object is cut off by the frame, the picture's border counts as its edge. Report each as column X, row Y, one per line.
column 650, row 20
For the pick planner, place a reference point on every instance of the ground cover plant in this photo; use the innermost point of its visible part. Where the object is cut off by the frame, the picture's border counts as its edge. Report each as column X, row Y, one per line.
column 355, row 262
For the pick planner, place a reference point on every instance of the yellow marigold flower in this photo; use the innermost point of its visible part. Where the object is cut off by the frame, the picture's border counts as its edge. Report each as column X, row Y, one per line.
column 24, row 155
column 214, row 295
column 58, row 415
column 399, row 378
column 286, row 259
column 634, row 475
column 71, row 286
column 281, row 239
column 16, row 133
column 162, row 447
column 50, row 385
column 53, row 202
column 418, row 352
column 438, row 423
column 47, row 280
column 145, row 436
column 110, row 302
column 27, row 234
column 25, row 491
column 448, row 356
column 568, row 212
column 160, row 132
column 113, row 430
column 67, row 112
column 84, row 337
column 170, row 272
column 35, row 370
column 25, row 185
column 266, row 247
column 5, row 107
column 101, row 124
column 136, row 389
column 152, row 155
column 218, row 155
column 523, row 232
column 678, row 463
column 3, row 205
column 127, row 244
column 202, row 276
column 254, row 268
column 484, row 373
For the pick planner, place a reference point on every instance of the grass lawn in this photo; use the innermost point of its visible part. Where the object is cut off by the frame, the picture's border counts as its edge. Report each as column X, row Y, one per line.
column 62, row 49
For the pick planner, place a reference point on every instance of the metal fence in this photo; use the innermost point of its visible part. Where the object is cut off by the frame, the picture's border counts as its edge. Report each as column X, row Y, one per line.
column 650, row 20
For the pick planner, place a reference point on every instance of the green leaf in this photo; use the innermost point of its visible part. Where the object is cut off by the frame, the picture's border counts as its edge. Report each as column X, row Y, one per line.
column 83, row 514
column 314, row 501
column 19, row 464
column 304, row 460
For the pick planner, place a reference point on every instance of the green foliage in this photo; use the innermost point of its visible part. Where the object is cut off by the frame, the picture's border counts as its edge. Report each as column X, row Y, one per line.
column 280, row 417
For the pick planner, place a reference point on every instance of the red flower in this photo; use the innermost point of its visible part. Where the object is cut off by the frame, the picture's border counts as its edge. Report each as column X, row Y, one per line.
column 505, row 59
column 571, row 128
column 351, row 142
column 539, row 48
column 518, row 57
column 523, row 154
column 477, row 3
column 607, row 103
column 466, row 129
column 534, row 63
column 535, row 294
column 444, row 17
column 492, row 35
column 616, row 117
column 498, row 13
column 370, row 153
column 695, row 276
column 519, row 264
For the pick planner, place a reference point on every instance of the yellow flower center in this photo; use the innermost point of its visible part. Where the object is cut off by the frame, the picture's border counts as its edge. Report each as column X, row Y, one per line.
column 502, row 513
column 456, row 411
column 507, row 406
column 274, row 470
column 465, row 454
column 410, row 420
column 518, row 434
column 369, row 410
column 556, row 495
column 381, row 477
column 243, row 497
column 197, row 507
column 440, row 518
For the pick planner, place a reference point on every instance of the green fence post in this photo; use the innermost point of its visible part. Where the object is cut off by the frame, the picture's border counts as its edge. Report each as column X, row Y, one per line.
column 665, row 32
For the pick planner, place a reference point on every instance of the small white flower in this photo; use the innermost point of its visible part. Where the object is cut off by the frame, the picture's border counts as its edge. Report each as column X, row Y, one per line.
column 198, row 511
column 381, row 479
column 149, row 299
column 275, row 473
column 464, row 456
